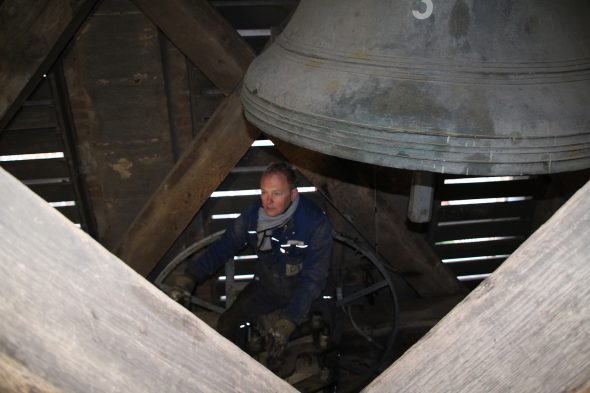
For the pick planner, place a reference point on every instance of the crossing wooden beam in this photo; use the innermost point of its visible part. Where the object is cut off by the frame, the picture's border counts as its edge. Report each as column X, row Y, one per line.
column 204, row 36
column 198, row 31
column 77, row 319
column 526, row 328
column 200, row 170
column 33, row 34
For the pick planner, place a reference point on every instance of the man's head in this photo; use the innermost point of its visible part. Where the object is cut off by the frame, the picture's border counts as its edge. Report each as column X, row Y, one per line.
column 277, row 185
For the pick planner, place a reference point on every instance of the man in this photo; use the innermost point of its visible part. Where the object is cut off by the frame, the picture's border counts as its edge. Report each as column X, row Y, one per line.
column 292, row 238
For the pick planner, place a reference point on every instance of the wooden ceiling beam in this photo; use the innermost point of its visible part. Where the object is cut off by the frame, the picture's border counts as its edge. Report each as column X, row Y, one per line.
column 204, row 37
column 76, row 319
column 526, row 328
column 33, row 34
column 200, row 170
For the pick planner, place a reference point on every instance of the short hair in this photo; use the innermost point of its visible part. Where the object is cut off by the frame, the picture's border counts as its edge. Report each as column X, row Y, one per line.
column 281, row 168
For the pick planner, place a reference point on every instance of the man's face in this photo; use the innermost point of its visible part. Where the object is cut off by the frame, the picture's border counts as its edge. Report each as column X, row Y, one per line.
column 276, row 194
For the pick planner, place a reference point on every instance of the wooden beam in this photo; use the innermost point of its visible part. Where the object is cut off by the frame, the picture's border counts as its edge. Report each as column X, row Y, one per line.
column 200, row 170
column 77, row 319
column 196, row 29
column 524, row 329
column 204, row 36
column 345, row 184
column 33, row 34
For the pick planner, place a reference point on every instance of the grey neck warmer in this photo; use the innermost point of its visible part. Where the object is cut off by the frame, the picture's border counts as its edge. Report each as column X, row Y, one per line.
column 267, row 224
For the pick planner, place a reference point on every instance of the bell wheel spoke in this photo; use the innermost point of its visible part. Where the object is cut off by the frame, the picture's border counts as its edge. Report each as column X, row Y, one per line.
column 362, row 293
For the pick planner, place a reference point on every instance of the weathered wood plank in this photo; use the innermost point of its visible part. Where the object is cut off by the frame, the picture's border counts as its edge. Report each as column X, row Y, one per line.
column 262, row 156
column 178, row 96
column 525, row 329
column 483, row 228
column 41, row 140
column 43, row 169
column 514, row 188
column 255, row 15
column 55, row 192
column 502, row 246
column 71, row 213
column 119, row 104
column 34, row 116
column 476, row 267
column 205, row 96
column 213, row 153
column 485, row 211
column 77, row 319
column 226, row 205
column 204, row 36
column 33, row 33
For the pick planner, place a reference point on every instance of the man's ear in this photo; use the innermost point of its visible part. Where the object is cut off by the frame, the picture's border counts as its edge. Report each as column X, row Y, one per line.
column 294, row 193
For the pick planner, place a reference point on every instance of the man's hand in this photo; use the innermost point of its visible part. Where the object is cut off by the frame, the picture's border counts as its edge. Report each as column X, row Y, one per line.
column 181, row 289
column 277, row 329
column 281, row 331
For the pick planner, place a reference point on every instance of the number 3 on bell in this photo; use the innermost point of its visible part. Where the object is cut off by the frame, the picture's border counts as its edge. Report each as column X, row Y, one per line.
column 426, row 14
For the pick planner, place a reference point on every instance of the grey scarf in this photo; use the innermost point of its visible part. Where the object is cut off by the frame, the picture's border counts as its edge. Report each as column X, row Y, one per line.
column 267, row 224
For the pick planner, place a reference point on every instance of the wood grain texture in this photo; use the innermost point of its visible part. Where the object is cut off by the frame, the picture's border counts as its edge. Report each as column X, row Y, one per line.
column 204, row 36
column 119, row 97
column 524, row 329
column 77, row 319
column 212, row 154
column 33, row 33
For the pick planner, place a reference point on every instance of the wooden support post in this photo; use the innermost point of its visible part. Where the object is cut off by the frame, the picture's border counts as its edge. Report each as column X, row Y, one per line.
column 33, row 34
column 77, row 319
column 524, row 329
column 200, row 170
column 198, row 31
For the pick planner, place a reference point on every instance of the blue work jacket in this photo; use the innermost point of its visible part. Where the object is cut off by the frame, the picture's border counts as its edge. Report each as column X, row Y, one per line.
column 294, row 272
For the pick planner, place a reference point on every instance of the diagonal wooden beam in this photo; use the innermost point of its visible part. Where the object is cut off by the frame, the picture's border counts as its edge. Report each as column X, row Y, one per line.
column 204, row 36
column 200, row 170
column 33, row 33
column 76, row 319
column 198, row 31
column 526, row 328
column 347, row 188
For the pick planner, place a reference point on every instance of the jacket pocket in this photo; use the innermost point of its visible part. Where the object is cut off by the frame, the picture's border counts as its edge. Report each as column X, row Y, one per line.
column 293, row 269
column 294, row 254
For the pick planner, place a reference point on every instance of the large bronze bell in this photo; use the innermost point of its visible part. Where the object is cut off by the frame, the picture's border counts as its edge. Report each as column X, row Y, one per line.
column 473, row 87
